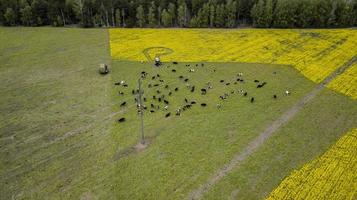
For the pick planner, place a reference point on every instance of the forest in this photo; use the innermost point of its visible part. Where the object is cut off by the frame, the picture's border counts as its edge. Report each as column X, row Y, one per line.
column 180, row 13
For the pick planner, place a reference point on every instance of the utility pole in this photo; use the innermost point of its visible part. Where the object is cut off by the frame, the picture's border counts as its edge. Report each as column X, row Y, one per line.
column 141, row 112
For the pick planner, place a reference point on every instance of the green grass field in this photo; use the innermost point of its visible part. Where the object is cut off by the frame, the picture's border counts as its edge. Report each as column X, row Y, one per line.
column 60, row 139
column 186, row 149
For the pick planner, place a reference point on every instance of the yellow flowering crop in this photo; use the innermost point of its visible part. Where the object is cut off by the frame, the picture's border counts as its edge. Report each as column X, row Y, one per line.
column 346, row 82
column 316, row 53
column 331, row 176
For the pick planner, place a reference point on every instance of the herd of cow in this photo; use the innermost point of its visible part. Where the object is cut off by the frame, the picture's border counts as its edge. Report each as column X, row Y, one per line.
column 160, row 100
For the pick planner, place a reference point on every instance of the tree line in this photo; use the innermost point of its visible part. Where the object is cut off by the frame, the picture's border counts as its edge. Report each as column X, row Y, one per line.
column 180, row 13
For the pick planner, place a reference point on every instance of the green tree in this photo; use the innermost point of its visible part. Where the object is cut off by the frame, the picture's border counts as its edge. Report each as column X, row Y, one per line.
column 257, row 14
column 40, row 9
column 321, row 13
column 342, row 11
column 284, row 14
column 140, row 16
column 211, row 15
column 220, row 16
column 203, row 16
column 159, row 13
column 268, row 13
column 118, row 17
column 151, row 15
column 231, row 9
column 304, row 12
column 182, row 15
column 166, row 18
column 172, row 12
column 10, row 17
column 194, row 22
column 26, row 15
column 354, row 13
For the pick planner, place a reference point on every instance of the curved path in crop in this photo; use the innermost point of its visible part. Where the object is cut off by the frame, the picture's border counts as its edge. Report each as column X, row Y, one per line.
column 255, row 144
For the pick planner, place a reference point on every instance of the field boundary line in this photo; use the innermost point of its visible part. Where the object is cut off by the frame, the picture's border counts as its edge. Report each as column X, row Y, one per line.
column 266, row 134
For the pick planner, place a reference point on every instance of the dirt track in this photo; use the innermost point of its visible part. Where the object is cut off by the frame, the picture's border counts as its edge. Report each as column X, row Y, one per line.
column 255, row 143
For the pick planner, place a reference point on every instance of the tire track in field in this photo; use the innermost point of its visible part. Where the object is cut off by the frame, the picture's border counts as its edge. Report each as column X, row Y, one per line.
column 268, row 132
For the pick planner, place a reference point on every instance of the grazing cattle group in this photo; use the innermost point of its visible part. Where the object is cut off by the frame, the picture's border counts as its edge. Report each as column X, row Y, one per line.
column 163, row 91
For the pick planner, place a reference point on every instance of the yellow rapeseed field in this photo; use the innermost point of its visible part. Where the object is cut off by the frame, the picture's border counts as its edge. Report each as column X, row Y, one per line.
column 316, row 53
column 346, row 82
column 331, row 176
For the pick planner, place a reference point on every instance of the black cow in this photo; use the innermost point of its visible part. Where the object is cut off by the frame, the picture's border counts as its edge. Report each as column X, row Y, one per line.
column 186, row 100
column 187, row 106
column 221, row 81
column 256, row 81
column 159, row 99
column 156, row 85
column 121, row 93
column 203, row 91
column 152, row 78
column 167, row 115
column 161, row 80
column 175, row 63
column 176, row 89
column 245, row 93
column 180, row 77
column 192, row 88
column 158, row 91
column 252, row 100
column 123, row 104
column 125, row 85
column 193, row 102
column 186, row 79
column 178, row 112
column 144, row 99
column 166, row 102
column 166, row 86
column 154, row 97
column 117, row 83
column 158, row 75
column 170, row 93
column 203, row 104
column 152, row 106
column 173, row 70
column 121, row 120
column 275, row 96
column 261, row 85
column 228, row 83
column 152, row 111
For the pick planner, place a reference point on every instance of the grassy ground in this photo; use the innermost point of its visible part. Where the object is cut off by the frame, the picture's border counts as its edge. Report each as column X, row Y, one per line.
column 52, row 105
column 307, row 136
column 59, row 138
column 185, row 150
